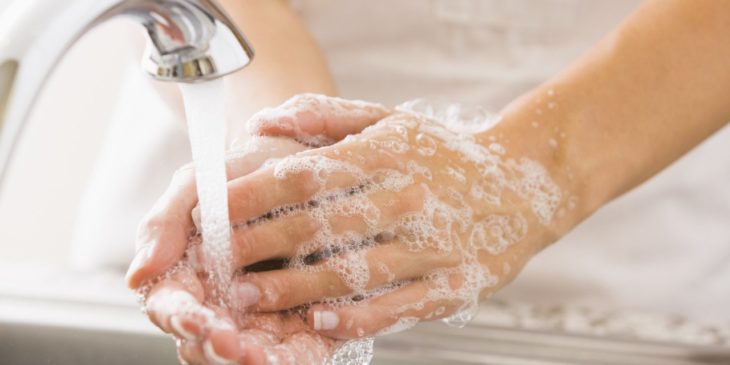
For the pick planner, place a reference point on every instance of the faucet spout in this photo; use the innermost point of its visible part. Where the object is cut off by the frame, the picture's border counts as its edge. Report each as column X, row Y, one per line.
column 188, row 41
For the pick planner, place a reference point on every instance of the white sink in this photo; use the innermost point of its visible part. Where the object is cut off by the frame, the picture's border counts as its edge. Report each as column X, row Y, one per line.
column 60, row 318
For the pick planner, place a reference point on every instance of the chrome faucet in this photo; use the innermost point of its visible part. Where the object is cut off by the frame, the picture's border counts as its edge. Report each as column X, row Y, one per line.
column 188, row 41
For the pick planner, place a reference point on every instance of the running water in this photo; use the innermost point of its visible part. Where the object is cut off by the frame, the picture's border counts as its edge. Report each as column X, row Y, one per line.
column 205, row 112
column 207, row 129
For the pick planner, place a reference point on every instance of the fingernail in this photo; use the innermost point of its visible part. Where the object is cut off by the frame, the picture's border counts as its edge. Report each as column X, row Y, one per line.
column 213, row 356
column 247, row 295
column 139, row 260
column 180, row 329
column 325, row 320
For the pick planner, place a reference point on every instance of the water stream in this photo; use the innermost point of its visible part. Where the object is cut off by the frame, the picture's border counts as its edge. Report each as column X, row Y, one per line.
column 205, row 112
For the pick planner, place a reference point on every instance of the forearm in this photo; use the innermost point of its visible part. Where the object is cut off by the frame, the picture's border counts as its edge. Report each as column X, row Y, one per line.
column 287, row 60
column 648, row 93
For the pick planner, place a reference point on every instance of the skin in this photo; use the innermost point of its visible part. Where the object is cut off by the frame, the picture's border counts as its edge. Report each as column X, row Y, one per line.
column 231, row 333
column 273, row 77
column 662, row 76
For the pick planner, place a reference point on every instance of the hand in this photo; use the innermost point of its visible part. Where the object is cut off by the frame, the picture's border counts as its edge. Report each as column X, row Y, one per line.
column 404, row 222
column 208, row 334
column 179, row 302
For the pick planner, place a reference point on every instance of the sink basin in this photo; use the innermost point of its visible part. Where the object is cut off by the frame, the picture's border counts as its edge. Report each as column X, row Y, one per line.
column 48, row 320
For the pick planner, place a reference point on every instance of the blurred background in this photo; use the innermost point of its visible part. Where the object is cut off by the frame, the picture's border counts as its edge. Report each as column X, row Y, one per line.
column 42, row 190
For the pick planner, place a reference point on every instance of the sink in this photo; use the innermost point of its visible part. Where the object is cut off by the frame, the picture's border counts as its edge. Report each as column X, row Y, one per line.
column 35, row 344
column 49, row 318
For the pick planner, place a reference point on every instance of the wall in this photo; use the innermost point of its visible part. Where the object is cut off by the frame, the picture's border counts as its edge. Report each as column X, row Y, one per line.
column 39, row 199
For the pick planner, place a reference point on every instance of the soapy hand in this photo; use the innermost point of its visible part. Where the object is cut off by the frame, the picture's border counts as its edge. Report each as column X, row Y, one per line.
column 409, row 220
column 178, row 299
column 164, row 234
column 211, row 334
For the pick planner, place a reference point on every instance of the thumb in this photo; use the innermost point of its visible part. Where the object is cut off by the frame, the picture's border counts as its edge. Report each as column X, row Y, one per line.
column 164, row 234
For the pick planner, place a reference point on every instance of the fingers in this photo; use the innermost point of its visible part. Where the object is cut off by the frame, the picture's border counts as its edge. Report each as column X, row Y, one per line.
column 220, row 348
column 317, row 120
column 283, row 289
column 190, row 352
column 267, row 342
column 163, row 235
column 303, row 183
column 176, row 311
column 277, row 238
column 282, row 235
column 270, row 193
column 228, row 347
column 174, row 305
column 392, row 312
column 180, row 292
column 251, row 153
column 300, row 348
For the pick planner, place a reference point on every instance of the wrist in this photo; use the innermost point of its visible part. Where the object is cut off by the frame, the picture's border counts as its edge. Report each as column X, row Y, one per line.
column 538, row 127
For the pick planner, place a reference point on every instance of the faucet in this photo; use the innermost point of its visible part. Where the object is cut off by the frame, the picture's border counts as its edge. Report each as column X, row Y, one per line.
column 188, row 41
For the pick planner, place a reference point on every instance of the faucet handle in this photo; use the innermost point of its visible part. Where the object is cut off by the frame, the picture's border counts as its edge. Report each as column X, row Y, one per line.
column 191, row 41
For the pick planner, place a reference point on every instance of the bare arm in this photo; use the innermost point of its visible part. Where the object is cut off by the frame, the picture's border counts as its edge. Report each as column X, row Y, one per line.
column 648, row 93
column 287, row 60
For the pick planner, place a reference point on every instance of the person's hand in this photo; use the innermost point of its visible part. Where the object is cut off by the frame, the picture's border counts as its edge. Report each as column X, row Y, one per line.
column 211, row 334
column 179, row 303
column 165, row 232
column 404, row 222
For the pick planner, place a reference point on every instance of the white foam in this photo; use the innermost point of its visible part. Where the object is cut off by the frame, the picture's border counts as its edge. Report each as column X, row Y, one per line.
column 448, row 219
column 446, row 222
column 356, row 352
